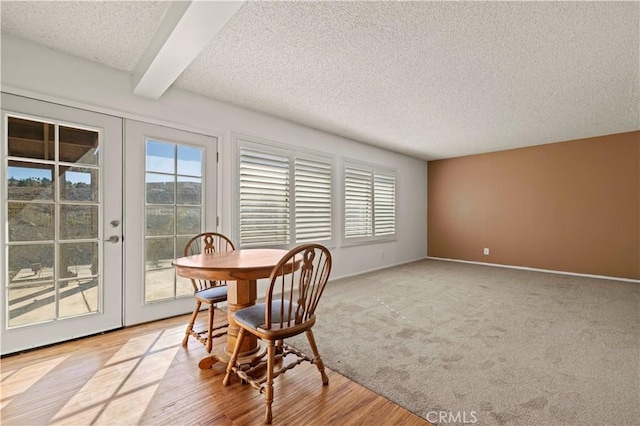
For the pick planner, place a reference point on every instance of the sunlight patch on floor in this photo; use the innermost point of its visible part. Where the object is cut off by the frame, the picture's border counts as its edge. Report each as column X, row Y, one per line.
column 123, row 388
column 15, row 382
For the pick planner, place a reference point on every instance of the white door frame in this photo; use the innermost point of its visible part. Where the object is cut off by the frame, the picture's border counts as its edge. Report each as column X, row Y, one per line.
column 136, row 133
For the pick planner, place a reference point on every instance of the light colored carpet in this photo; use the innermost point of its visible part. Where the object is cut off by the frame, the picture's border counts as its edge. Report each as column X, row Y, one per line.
column 500, row 346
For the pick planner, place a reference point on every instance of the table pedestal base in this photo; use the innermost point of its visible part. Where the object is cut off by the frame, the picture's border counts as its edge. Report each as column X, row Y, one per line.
column 223, row 356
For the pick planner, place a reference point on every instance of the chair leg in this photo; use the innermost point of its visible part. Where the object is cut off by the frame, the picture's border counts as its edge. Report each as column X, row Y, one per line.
column 316, row 357
column 268, row 391
column 191, row 323
column 234, row 357
column 210, row 328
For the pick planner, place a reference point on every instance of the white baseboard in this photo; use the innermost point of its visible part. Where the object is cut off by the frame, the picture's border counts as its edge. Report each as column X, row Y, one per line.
column 375, row 269
column 550, row 271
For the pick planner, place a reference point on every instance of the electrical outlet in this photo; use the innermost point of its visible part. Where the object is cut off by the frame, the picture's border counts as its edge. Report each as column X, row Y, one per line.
column 381, row 255
column 486, row 251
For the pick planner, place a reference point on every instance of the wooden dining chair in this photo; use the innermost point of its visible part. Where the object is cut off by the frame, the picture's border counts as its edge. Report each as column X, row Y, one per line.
column 207, row 291
column 296, row 284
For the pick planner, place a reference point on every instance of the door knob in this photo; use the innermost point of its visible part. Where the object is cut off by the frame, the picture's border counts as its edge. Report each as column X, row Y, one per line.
column 114, row 223
column 113, row 239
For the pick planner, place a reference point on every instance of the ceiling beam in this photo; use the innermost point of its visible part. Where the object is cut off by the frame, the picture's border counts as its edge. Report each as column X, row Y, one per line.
column 187, row 28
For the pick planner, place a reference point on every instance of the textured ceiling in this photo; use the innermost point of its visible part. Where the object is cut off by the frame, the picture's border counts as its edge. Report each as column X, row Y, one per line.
column 429, row 79
column 109, row 32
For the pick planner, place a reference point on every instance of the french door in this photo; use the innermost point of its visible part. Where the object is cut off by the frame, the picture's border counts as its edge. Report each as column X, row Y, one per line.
column 170, row 196
column 61, row 210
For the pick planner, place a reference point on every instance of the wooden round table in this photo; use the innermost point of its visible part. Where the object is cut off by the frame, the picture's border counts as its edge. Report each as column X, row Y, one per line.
column 242, row 269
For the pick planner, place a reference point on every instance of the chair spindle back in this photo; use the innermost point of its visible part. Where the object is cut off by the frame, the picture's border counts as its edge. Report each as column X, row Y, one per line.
column 207, row 242
column 297, row 283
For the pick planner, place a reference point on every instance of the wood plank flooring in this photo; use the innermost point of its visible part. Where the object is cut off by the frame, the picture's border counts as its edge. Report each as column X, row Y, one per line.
column 142, row 375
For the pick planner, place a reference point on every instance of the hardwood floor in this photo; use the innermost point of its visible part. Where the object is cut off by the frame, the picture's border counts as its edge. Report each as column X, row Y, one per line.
column 142, row 375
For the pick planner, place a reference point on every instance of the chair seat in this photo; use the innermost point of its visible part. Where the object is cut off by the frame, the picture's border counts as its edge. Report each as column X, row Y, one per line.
column 253, row 316
column 212, row 295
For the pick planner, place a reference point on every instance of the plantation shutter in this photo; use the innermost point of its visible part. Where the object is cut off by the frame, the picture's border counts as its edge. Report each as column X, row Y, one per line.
column 384, row 207
column 358, row 204
column 264, row 198
column 312, row 200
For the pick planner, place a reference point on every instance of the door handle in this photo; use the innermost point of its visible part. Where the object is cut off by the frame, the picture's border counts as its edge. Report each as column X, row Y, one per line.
column 113, row 239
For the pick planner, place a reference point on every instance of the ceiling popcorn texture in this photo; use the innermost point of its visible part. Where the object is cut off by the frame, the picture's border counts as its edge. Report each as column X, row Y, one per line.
column 429, row 79
column 114, row 33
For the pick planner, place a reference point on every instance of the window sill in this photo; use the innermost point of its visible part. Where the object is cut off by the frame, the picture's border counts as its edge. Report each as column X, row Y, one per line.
column 350, row 242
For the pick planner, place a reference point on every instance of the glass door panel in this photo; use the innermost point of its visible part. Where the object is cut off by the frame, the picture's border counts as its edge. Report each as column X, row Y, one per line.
column 35, row 241
column 174, row 211
column 30, row 139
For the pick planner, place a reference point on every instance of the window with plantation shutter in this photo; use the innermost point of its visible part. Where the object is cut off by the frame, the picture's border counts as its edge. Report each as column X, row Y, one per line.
column 285, row 195
column 369, row 203
column 384, row 206
column 264, row 198
column 312, row 200
column 358, row 203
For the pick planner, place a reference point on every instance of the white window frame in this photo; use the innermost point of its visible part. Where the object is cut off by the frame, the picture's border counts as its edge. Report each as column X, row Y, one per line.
column 372, row 170
column 293, row 153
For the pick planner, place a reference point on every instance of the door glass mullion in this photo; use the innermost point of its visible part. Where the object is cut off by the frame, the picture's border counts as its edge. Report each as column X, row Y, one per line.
column 56, row 246
column 175, row 215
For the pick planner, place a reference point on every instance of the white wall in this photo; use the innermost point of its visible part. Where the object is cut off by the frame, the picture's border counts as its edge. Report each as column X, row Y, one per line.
column 35, row 71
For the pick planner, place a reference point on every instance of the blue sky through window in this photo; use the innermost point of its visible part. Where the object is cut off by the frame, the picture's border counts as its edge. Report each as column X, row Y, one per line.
column 189, row 161
column 21, row 173
column 77, row 177
column 161, row 157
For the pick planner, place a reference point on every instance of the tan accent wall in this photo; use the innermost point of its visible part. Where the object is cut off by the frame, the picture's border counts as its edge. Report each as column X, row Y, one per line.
column 569, row 206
